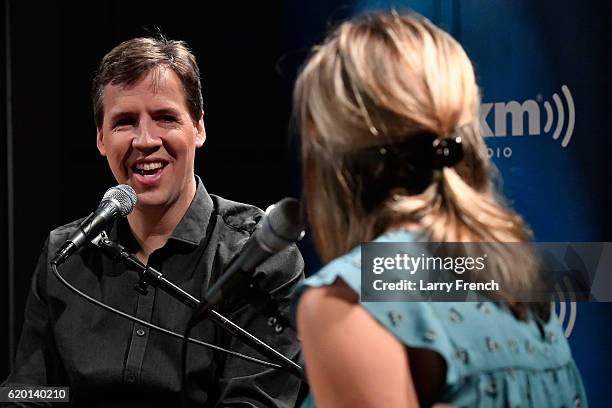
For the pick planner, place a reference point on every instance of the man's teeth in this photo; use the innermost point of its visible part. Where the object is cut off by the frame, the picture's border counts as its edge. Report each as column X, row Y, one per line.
column 149, row 166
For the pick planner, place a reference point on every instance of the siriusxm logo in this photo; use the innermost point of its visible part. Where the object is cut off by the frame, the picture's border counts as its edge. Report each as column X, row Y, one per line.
column 515, row 115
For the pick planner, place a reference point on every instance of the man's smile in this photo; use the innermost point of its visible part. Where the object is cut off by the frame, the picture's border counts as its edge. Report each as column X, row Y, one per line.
column 148, row 168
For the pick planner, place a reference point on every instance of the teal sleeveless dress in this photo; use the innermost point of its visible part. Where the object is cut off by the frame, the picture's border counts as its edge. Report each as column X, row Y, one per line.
column 492, row 359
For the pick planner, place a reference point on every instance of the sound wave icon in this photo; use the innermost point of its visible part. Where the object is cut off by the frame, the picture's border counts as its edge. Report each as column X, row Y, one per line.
column 567, row 329
column 571, row 116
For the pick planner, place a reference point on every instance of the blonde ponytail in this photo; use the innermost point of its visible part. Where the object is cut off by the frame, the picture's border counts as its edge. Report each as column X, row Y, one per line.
column 386, row 80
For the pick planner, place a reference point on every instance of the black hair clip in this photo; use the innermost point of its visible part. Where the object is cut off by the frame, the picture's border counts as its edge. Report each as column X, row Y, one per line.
column 447, row 151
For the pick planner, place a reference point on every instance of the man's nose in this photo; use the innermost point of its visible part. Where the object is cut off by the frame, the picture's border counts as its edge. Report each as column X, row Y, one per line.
column 147, row 139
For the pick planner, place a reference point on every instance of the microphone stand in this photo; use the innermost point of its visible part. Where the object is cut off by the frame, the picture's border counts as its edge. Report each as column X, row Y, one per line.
column 150, row 276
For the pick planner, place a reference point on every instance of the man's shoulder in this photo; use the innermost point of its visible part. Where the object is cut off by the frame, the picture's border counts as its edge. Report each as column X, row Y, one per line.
column 67, row 228
column 58, row 235
column 243, row 218
column 280, row 273
column 236, row 215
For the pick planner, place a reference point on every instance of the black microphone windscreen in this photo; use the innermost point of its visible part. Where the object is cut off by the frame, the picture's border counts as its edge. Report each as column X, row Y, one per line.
column 282, row 225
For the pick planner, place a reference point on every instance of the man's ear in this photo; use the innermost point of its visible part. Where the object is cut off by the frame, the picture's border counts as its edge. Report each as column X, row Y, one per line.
column 100, row 142
column 200, row 132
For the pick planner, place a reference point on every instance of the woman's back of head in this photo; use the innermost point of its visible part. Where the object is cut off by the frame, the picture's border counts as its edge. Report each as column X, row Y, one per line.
column 379, row 105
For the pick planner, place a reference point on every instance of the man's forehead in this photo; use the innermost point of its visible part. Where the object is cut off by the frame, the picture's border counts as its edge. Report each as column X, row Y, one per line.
column 159, row 84
column 155, row 80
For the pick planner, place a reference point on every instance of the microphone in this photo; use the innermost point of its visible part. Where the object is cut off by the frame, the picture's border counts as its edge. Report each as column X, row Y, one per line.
column 281, row 226
column 118, row 201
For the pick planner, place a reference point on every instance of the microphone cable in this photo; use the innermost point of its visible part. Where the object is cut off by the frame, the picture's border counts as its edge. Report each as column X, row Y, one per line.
column 154, row 327
column 280, row 226
column 191, row 325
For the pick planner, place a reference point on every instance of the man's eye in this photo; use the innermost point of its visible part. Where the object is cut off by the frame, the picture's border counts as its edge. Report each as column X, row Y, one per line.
column 125, row 122
column 167, row 118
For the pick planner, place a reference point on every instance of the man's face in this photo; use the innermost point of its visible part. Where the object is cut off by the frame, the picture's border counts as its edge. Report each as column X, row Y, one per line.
column 150, row 139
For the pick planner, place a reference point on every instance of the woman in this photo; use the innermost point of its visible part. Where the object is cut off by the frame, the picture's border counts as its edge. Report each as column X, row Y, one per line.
column 388, row 109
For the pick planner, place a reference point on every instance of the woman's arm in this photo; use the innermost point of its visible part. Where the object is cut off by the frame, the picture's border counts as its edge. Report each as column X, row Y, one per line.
column 351, row 360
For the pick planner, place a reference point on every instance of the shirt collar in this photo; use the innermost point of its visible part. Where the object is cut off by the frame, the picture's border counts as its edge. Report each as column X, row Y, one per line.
column 192, row 227
column 190, row 230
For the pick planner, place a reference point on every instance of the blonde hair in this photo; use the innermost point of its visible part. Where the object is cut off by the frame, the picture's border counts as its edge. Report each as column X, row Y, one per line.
column 384, row 79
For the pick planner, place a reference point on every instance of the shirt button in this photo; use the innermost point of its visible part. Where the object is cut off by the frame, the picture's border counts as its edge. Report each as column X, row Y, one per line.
column 131, row 379
column 140, row 332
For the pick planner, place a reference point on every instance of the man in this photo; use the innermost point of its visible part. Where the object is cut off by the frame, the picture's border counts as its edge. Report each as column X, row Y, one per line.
column 149, row 119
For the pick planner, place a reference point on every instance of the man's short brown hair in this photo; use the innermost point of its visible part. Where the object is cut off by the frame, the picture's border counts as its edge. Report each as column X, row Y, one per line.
column 129, row 61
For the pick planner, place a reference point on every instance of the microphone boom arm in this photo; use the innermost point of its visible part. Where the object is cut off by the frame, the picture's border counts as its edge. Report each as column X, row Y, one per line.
column 150, row 276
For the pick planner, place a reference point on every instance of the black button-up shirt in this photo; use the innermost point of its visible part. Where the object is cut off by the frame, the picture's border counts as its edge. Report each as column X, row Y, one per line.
column 107, row 360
